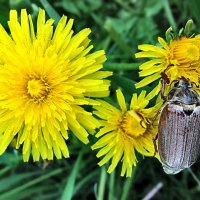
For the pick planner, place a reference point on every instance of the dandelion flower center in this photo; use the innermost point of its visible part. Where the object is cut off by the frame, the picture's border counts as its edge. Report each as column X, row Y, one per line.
column 132, row 124
column 37, row 88
column 184, row 52
column 177, row 59
column 126, row 131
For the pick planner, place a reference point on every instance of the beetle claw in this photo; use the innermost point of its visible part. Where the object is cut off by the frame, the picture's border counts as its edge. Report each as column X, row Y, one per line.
column 163, row 90
column 155, row 145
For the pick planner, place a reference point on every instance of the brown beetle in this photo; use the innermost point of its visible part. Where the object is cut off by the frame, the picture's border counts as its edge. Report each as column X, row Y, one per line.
column 179, row 128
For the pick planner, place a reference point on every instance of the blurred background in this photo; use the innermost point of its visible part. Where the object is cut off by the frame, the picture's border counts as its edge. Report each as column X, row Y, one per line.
column 118, row 26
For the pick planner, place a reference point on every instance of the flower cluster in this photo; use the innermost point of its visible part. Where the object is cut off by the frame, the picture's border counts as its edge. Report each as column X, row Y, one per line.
column 48, row 75
column 126, row 131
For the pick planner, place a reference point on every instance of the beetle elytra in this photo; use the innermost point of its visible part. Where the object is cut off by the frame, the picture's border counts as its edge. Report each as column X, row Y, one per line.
column 179, row 128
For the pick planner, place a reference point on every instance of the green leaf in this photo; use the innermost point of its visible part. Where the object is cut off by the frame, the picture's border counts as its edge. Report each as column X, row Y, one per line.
column 121, row 66
column 8, row 182
column 126, row 84
column 85, row 180
column 50, row 10
column 42, row 189
column 169, row 14
column 194, row 6
column 10, row 194
column 69, row 6
column 117, row 38
column 20, row 4
column 10, row 159
column 4, row 16
column 5, row 170
column 69, row 188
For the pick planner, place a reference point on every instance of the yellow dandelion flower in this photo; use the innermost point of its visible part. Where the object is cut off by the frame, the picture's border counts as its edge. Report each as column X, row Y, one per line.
column 125, row 131
column 45, row 78
column 180, row 58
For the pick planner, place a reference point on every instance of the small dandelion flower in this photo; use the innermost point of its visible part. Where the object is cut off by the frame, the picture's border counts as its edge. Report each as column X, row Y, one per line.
column 125, row 131
column 180, row 58
column 45, row 78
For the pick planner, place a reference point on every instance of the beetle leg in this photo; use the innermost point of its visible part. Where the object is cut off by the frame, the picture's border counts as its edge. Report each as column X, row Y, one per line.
column 163, row 90
column 165, row 77
column 164, row 80
column 154, row 119
column 155, row 145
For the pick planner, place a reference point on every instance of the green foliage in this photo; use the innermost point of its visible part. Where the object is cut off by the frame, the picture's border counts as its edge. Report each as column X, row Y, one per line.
column 117, row 27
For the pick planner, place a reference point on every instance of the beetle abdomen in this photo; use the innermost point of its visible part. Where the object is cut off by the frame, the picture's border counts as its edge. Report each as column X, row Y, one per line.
column 179, row 137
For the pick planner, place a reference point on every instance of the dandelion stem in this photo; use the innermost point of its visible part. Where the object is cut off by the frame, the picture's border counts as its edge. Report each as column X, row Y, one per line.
column 69, row 188
column 102, row 184
column 194, row 176
column 111, row 186
column 128, row 185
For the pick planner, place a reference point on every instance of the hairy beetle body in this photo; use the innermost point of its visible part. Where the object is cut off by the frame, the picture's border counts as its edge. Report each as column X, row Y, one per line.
column 179, row 129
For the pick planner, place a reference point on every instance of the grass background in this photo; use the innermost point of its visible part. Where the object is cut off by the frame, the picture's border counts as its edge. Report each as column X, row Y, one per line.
column 118, row 26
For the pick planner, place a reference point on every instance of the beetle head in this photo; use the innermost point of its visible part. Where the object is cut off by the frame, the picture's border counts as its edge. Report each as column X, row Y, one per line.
column 183, row 93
